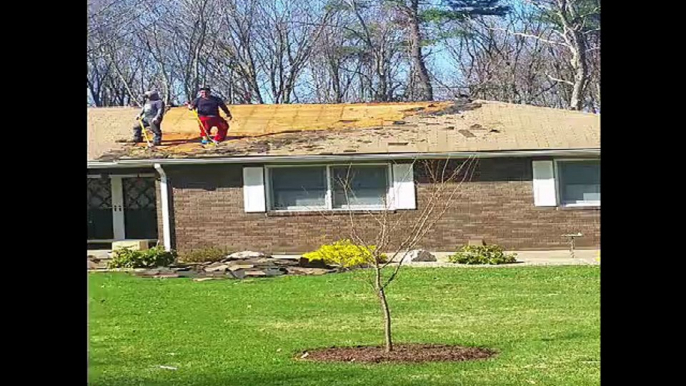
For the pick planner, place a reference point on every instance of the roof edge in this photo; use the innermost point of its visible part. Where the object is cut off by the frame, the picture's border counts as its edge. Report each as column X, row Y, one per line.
column 590, row 152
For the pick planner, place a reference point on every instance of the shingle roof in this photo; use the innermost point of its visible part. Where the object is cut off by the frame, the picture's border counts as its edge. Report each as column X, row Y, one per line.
column 422, row 127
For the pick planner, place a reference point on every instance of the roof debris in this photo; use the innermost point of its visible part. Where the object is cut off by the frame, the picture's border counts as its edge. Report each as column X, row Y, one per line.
column 375, row 128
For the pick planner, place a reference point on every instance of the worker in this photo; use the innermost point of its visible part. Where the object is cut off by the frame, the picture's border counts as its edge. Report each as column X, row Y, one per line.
column 208, row 107
column 151, row 116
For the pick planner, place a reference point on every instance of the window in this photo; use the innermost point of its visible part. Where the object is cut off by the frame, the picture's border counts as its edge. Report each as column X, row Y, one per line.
column 359, row 186
column 298, row 188
column 328, row 187
column 579, row 182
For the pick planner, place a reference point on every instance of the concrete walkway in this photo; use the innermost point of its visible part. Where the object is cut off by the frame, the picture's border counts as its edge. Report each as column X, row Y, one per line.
column 524, row 258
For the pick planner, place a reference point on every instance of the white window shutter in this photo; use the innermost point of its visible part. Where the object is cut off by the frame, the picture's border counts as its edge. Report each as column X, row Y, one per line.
column 403, row 195
column 544, row 184
column 253, row 189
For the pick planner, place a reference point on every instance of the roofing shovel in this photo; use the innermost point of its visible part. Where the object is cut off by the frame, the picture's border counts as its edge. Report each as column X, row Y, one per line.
column 145, row 133
column 202, row 127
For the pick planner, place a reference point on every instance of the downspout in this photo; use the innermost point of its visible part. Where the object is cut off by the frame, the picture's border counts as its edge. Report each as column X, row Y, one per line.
column 166, row 222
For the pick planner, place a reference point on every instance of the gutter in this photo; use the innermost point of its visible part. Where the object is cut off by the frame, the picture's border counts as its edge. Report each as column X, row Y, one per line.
column 166, row 221
column 591, row 152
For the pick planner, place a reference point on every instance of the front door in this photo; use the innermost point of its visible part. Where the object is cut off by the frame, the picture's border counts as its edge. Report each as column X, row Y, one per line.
column 140, row 208
column 122, row 207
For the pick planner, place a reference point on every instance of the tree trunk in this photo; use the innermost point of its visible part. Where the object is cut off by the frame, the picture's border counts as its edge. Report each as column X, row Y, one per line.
column 382, row 91
column 95, row 95
column 167, row 90
column 580, row 66
column 386, row 320
column 426, row 91
column 386, row 311
column 576, row 41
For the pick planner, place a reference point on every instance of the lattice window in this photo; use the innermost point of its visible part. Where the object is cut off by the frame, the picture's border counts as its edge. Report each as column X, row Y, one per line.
column 99, row 193
column 139, row 193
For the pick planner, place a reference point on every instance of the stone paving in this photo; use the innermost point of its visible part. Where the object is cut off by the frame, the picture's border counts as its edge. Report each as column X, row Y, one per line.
column 255, row 264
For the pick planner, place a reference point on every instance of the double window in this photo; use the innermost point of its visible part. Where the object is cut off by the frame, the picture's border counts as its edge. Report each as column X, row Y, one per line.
column 329, row 187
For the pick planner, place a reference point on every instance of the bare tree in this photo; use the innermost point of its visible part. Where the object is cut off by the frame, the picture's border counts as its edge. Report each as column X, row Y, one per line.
column 497, row 65
column 288, row 33
column 382, row 54
column 415, row 39
column 193, row 32
column 234, row 62
column 519, row 59
column 333, row 66
column 576, row 25
column 574, row 18
column 334, row 51
column 110, row 16
column 120, row 68
column 387, row 237
column 153, row 36
column 418, row 14
column 105, row 29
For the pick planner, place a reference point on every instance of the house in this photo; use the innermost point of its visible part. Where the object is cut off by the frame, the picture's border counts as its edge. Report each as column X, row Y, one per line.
column 537, row 179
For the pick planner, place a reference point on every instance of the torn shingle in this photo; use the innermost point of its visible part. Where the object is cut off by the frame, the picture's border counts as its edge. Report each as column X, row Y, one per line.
column 467, row 133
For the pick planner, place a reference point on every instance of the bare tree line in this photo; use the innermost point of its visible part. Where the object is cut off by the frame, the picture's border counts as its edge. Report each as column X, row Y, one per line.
column 541, row 52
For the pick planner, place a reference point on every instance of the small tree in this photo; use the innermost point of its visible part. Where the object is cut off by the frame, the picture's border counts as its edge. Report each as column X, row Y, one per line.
column 386, row 247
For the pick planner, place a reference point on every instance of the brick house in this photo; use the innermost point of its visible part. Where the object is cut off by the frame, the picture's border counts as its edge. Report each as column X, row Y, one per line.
column 537, row 177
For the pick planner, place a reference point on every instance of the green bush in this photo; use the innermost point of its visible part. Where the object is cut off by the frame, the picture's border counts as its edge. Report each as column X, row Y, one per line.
column 345, row 254
column 153, row 257
column 482, row 254
column 211, row 254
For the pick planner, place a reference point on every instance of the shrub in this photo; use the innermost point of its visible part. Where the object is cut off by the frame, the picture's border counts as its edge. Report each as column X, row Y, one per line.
column 153, row 257
column 482, row 254
column 345, row 254
column 211, row 254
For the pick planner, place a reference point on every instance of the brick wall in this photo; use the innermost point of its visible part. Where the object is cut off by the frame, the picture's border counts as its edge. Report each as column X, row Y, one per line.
column 496, row 205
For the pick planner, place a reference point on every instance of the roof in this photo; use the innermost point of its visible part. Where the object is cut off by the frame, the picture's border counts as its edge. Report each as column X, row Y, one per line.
column 374, row 128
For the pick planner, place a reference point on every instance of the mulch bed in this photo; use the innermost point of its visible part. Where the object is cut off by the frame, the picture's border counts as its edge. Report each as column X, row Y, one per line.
column 407, row 353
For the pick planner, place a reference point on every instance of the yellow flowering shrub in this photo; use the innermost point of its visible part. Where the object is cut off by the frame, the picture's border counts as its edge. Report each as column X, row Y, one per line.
column 345, row 254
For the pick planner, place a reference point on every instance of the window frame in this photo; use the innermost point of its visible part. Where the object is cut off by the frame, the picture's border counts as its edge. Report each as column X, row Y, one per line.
column 558, row 186
column 390, row 205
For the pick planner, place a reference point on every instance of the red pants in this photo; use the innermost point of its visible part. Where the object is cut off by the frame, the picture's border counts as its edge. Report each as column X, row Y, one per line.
column 218, row 122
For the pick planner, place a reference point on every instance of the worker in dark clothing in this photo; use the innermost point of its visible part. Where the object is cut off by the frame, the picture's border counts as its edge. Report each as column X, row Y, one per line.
column 151, row 116
column 208, row 111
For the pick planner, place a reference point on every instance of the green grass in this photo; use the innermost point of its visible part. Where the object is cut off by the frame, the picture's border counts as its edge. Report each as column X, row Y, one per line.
column 545, row 321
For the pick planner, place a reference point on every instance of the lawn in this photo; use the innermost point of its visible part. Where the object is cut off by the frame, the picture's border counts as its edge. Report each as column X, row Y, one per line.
column 544, row 321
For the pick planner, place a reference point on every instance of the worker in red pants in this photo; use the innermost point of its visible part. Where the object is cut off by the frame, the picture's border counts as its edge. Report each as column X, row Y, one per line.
column 208, row 111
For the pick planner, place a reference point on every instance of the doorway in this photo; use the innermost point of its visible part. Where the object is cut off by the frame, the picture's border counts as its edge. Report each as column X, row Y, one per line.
column 122, row 207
